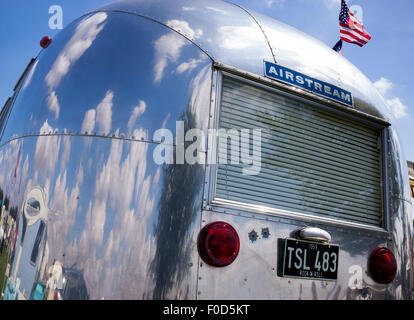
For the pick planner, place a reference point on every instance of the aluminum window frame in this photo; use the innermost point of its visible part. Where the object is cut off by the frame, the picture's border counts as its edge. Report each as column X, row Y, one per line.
column 210, row 203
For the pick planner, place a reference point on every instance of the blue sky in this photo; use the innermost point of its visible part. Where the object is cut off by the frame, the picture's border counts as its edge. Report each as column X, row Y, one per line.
column 386, row 60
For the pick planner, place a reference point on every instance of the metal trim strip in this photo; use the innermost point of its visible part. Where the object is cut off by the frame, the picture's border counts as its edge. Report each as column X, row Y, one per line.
column 301, row 95
column 233, row 207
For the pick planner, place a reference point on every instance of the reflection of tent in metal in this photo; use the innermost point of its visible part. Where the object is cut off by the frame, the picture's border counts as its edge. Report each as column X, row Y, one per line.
column 30, row 243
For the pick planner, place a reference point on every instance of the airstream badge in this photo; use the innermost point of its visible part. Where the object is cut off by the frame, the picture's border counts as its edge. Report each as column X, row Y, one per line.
column 275, row 71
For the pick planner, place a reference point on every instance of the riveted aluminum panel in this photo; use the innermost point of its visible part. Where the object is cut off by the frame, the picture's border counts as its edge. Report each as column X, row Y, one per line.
column 97, row 79
column 255, row 275
column 111, row 214
column 82, row 131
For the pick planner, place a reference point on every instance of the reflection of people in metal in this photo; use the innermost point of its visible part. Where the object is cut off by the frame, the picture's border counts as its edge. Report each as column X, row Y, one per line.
column 65, row 284
column 10, row 291
column 6, row 226
column 12, row 243
column 55, row 280
column 1, row 239
column 30, row 279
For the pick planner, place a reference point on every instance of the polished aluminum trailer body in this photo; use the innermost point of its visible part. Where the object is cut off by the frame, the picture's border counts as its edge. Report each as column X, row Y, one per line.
column 78, row 146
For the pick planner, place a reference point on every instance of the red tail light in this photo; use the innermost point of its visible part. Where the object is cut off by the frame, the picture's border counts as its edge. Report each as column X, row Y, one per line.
column 382, row 265
column 218, row 244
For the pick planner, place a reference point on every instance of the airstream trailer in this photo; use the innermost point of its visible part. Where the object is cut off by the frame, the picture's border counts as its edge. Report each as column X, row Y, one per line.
column 200, row 150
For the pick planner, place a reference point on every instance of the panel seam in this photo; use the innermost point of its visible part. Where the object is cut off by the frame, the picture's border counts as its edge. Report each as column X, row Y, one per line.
column 153, row 20
column 261, row 29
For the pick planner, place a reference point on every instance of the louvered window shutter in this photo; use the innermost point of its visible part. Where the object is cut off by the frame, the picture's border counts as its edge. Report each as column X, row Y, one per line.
column 312, row 161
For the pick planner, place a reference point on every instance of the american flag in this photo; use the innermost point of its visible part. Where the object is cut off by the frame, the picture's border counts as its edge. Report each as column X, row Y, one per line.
column 351, row 29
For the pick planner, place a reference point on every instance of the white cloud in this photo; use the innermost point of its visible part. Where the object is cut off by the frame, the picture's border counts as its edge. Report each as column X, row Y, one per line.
column 30, row 75
column 104, row 113
column 190, row 64
column 168, row 47
column 332, row 3
column 164, row 123
column 200, row 97
column 47, row 151
column 88, row 124
column 123, row 185
column 184, row 28
column 102, row 116
column 63, row 209
column 398, row 109
column 270, row 3
column 188, row 8
column 383, row 85
column 86, row 32
column 395, row 105
column 66, row 151
column 217, row 10
column 82, row 39
column 9, row 156
column 240, row 37
column 53, row 103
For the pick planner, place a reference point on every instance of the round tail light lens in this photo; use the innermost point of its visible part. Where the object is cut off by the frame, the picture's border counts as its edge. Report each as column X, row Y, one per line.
column 218, row 244
column 382, row 265
column 45, row 42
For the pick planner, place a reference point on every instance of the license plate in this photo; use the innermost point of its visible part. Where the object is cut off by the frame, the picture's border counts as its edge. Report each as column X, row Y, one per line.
column 310, row 260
